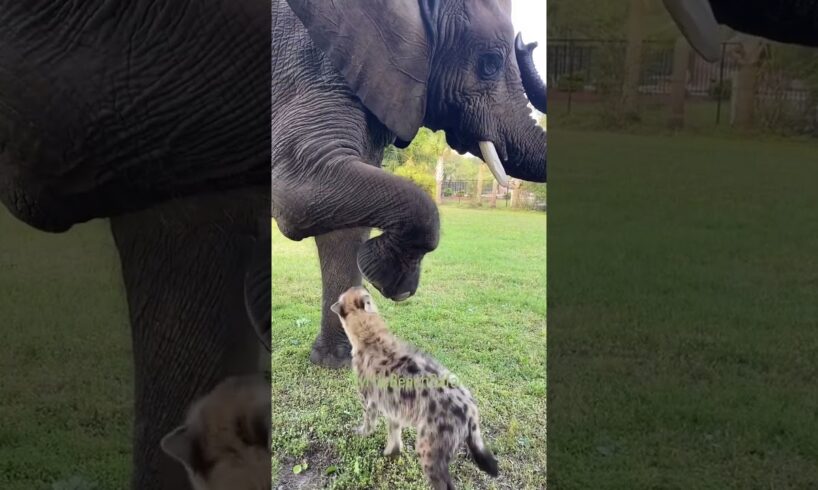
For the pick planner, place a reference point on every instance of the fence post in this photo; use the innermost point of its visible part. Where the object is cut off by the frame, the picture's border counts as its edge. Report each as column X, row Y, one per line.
column 681, row 59
column 633, row 59
column 720, row 86
column 478, row 191
column 745, row 82
column 570, row 73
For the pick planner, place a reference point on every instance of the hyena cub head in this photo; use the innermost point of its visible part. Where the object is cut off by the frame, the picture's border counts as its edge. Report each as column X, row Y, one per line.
column 353, row 308
column 224, row 443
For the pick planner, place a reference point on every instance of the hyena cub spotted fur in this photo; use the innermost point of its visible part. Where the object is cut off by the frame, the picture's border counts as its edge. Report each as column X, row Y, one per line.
column 224, row 443
column 409, row 388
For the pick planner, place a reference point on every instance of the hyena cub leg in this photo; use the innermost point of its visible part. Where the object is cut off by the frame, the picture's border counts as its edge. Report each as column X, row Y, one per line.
column 370, row 419
column 394, row 445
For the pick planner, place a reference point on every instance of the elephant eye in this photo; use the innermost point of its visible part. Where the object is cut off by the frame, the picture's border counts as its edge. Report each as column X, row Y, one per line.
column 489, row 65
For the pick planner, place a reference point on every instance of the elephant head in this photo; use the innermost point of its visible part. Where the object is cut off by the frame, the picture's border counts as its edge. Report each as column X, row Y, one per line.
column 449, row 65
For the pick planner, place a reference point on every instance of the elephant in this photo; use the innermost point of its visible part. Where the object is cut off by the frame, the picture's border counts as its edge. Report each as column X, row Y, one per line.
column 794, row 21
column 154, row 114
column 351, row 77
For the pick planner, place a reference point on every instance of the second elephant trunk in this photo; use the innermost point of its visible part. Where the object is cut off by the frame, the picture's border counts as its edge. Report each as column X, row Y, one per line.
column 533, row 84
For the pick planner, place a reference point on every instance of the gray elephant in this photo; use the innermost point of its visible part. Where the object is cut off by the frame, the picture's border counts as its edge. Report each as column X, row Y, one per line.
column 793, row 21
column 352, row 76
column 155, row 113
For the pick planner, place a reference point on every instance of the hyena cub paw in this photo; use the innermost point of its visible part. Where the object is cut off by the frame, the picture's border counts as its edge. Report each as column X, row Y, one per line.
column 364, row 430
column 392, row 450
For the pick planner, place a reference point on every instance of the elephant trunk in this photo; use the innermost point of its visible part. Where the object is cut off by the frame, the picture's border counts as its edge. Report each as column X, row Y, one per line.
column 533, row 84
column 526, row 159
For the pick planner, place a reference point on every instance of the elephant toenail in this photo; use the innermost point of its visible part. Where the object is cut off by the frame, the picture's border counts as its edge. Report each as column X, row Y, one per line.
column 402, row 296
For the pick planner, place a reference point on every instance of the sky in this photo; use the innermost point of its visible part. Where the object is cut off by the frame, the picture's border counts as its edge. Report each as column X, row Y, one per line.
column 528, row 17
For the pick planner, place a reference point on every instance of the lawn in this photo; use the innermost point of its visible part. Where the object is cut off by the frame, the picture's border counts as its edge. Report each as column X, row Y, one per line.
column 683, row 312
column 480, row 310
column 66, row 384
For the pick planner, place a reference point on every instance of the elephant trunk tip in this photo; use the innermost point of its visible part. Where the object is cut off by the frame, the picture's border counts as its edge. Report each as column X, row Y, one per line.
column 532, row 83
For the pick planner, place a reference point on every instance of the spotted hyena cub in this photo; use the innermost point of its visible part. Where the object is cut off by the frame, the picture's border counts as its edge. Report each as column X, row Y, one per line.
column 224, row 443
column 409, row 388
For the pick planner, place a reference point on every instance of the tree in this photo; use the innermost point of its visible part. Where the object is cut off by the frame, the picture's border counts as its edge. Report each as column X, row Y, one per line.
column 419, row 174
column 596, row 19
column 478, row 191
column 393, row 158
column 426, row 148
column 681, row 60
column 633, row 59
column 748, row 56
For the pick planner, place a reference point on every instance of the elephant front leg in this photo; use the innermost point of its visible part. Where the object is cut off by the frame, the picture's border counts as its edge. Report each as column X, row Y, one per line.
column 338, row 253
column 183, row 265
column 352, row 194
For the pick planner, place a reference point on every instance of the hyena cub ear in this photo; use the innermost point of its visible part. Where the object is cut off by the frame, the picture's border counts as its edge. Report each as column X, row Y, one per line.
column 369, row 304
column 224, row 443
column 336, row 308
column 354, row 299
column 178, row 445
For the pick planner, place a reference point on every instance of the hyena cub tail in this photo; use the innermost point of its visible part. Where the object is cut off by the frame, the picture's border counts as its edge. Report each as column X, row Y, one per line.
column 481, row 454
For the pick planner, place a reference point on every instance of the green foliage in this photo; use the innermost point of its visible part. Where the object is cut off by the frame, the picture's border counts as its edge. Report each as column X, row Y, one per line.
column 392, row 158
column 540, row 191
column 424, row 151
column 417, row 162
column 595, row 19
column 462, row 168
column 426, row 148
column 794, row 62
column 418, row 174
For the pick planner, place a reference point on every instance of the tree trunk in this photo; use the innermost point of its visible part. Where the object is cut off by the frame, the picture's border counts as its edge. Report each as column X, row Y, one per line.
column 681, row 61
column 493, row 198
column 514, row 186
column 744, row 91
column 479, row 190
column 745, row 83
column 439, row 179
column 633, row 59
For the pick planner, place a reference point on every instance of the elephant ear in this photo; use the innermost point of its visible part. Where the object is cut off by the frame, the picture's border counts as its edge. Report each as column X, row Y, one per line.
column 381, row 48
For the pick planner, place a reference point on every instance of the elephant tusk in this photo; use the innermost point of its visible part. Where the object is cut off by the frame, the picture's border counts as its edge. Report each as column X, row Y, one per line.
column 493, row 161
column 698, row 24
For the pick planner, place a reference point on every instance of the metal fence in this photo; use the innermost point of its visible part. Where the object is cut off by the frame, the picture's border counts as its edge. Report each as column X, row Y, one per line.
column 580, row 70
column 465, row 192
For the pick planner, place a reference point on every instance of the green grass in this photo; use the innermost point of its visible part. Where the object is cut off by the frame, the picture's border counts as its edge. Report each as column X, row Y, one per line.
column 683, row 310
column 66, row 387
column 480, row 310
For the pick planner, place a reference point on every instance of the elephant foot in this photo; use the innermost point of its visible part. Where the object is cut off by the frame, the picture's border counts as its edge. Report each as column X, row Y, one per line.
column 336, row 356
column 394, row 272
